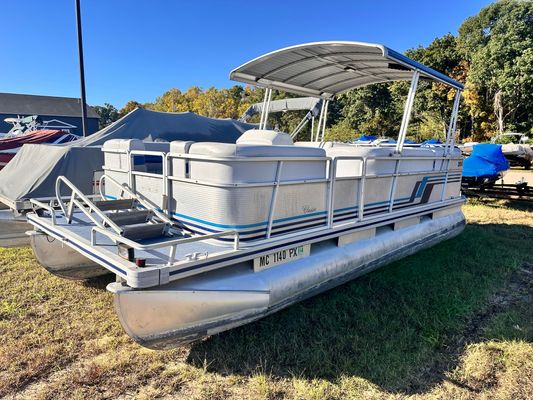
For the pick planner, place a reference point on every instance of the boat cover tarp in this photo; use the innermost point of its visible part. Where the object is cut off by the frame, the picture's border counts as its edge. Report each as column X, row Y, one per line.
column 485, row 160
column 432, row 141
column 366, row 138
column 151, row 125
column 33, row 171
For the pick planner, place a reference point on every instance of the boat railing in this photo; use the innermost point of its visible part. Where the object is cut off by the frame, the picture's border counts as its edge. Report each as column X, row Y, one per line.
column 441, row 164
column 80, row 200
column 172, row 243
column 139, row 197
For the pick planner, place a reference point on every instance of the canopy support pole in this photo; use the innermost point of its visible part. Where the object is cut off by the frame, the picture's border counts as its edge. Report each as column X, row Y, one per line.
column 265, row 96
column 264, row 110
column 450, row 136
column 314, row 137
column 264, row 113
column 407, row 112
column 300, row 125
column 324, row 121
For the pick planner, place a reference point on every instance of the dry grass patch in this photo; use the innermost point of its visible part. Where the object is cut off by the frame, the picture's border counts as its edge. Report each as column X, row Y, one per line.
column 438, row 324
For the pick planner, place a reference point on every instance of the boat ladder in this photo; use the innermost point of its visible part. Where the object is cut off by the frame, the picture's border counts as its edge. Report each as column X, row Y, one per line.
column 134, row 217
column 131, row 220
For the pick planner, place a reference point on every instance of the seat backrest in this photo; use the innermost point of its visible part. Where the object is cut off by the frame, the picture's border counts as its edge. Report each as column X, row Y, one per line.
column 180, row 166
column 121, row 161
column 234, row 171
column 265, row 137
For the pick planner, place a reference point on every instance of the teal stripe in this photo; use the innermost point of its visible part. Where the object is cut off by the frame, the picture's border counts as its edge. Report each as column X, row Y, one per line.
column 265, row 223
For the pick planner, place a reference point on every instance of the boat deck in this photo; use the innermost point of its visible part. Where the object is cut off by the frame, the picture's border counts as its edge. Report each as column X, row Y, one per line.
column 204, row 254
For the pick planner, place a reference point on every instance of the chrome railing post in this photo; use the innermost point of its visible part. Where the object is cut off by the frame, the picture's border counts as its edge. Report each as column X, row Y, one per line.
column 70, row 207
column 273, row 199
column 168, row 181
column 393, row 184
column 443, row 193
column 131, row 177
column 361, row 191
column 236, row 240
column 331, row 192
column 172, row 255
column 164, row 200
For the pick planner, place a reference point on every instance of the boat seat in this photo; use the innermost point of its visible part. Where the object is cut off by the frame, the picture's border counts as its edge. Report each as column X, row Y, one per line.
column 265, row 137
column 180, row 167
column 157, row 146
column 121, row 161
column 234, row 171
column 251, row 150
column 320, row 145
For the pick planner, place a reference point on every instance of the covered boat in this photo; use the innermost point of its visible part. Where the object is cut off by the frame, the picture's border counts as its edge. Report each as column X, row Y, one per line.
column 516, row 149
column 10, row 145
column 205, row 236
column 33, row 171
column 485, row 165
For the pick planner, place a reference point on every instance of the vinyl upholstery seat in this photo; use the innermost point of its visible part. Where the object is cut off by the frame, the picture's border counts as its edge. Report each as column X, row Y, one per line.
column 242, row 163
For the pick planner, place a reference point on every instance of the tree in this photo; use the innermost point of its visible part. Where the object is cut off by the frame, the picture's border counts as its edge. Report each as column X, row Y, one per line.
column 370, row 110
column 107, row 114
column 129, row 107
column 498, row 45
column 434, row 100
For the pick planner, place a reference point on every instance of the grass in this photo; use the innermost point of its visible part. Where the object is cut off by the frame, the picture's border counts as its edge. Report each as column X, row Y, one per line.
column 451, row 321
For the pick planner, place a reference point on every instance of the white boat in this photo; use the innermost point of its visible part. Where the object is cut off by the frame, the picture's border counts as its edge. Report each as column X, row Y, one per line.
column 204, row 237
column 516, row 148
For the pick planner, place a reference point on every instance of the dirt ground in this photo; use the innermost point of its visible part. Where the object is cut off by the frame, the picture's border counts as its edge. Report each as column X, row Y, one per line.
column 518, row 174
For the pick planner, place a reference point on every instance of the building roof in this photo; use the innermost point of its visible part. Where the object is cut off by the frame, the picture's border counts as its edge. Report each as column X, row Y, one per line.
column 325, row 69
column 27, row 104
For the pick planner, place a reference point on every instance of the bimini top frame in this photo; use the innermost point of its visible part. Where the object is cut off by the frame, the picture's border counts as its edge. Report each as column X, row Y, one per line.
column 327, row 69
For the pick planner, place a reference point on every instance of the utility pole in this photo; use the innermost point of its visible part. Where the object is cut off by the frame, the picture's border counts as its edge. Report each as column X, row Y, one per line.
column 82, row 72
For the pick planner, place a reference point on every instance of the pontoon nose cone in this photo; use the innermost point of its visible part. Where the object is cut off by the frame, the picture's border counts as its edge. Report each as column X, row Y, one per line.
column 62, row 260
column 166, row 317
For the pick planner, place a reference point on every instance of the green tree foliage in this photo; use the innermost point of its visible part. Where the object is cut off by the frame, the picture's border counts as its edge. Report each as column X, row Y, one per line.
column 129, row 107
column 434, row 100
column 371, row 110
column 498, row 45
column 212, row 102
column 107, row 113
column 342, row 131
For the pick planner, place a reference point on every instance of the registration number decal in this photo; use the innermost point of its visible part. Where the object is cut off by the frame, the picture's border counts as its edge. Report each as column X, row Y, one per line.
column 281, row 256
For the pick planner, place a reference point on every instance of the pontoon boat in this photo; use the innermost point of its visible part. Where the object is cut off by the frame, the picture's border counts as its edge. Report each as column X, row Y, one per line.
column 204, row 237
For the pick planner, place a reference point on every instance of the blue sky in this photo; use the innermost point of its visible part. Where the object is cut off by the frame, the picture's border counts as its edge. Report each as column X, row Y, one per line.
column 139, row 49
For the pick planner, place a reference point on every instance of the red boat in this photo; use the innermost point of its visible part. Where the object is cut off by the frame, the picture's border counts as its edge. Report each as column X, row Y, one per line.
column 11, row 145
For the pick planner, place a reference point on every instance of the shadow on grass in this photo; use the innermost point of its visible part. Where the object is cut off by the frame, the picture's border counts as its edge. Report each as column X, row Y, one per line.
column 394, row 327
column 99, row 282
